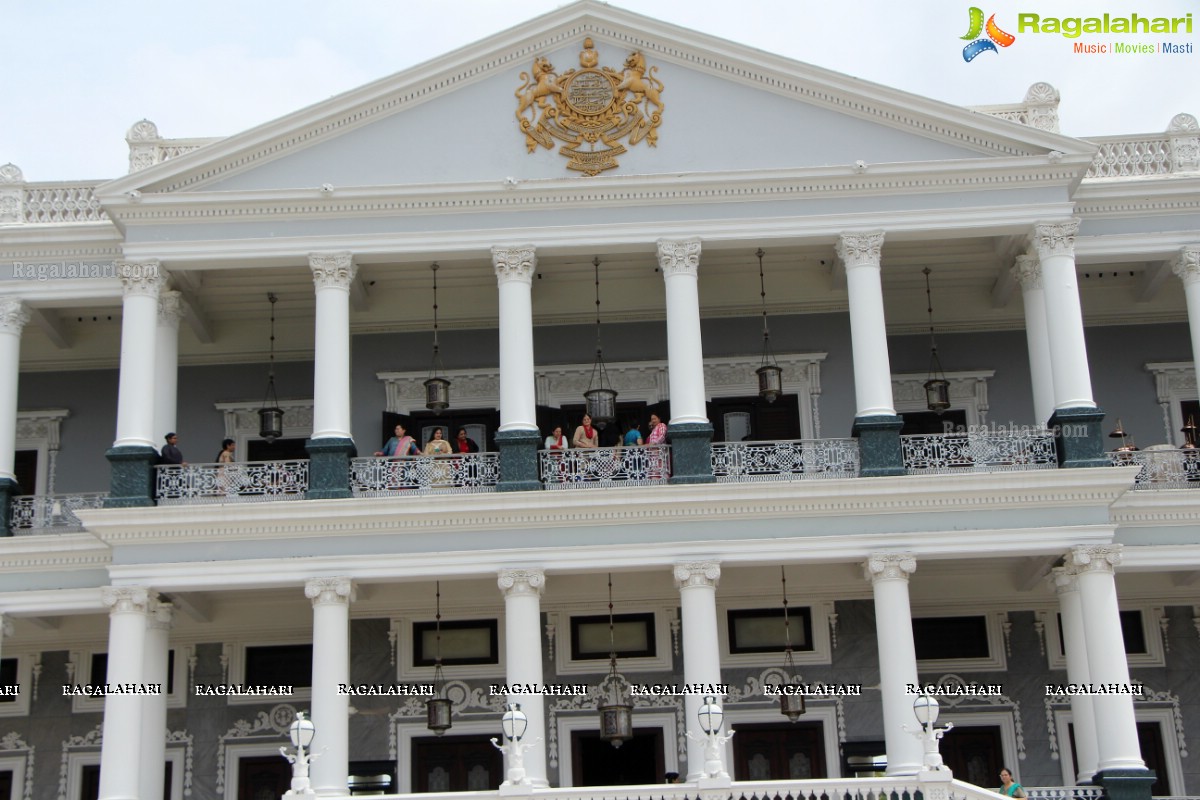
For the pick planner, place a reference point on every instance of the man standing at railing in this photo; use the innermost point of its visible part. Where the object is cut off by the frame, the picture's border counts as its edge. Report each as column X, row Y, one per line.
column 170, row 451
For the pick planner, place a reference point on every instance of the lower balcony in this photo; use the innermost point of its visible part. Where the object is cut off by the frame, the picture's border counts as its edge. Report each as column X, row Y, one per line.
column 51, row 513
column 465, row 473
column 644, row 465
column 1165, row 468
column 249, row 482
column 989, row 451
column 798, row 459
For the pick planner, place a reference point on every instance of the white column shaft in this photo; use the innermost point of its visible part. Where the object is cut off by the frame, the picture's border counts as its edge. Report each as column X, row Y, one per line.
column 139, row 321
column 166, row 357
column 13, row 316
column 1075, row 647
column 120, row 751
column 1037, row 337
column 861, row 254
column 897, row 660
column 1064, row 317
column 523, row 661
column 1187, row 267
column 332, row 274
column 331, row 667
column 680, row 261
column 1117, row 743
column 154, row 707
column 5, row 631
column 697, row 583
column 518, row 398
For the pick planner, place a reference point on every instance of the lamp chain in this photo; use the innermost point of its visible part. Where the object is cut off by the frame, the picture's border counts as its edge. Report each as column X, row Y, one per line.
column 929, row 310
column 434, row 267
column 596, row 271
column 762, row 292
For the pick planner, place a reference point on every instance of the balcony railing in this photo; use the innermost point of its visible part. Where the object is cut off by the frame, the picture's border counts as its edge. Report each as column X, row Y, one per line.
column 456, row 474
column 248, row 482
column 796, row 459
column 51, row 513
column 606, row 466
column 1162, row 469
column 984, row 452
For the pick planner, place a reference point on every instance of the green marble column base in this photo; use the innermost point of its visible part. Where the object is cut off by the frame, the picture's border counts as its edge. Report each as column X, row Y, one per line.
column 133, row 476
column 8, row 490
column 1125, row 784
column 691, row 452
column 518, row 461
column 329, row 468
column 1078, row 437
column 880, row 453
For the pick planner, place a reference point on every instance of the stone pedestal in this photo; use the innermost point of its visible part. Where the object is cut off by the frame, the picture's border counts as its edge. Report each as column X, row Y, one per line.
column 329, row 468
column 132, row 476
column 518, row 460
column 1078, row 437
column 879, row 447
column 1125, row 784
column 691, row 452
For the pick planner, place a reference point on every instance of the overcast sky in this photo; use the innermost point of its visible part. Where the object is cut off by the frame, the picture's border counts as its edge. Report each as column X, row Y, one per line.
column 77, row 75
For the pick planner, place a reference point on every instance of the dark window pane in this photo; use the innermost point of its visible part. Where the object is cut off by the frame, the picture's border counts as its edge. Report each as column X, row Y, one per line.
column 762, row 630
column 1133, row 632
column 99, row 670
column 950, row 637
column 463, row 642
column 279, row 665
column 8, row 677
column 632, row 636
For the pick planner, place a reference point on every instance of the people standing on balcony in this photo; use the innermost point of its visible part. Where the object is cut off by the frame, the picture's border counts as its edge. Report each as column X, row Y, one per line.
column 399, row 445
column 226, row 454
column 464, row 443
column 1008, row 786
column 655, row 466
column 171, row 453
column 556, row 440
column 633, row 436
column 586, row 437
column 441, row 468
column 438, row 446
column 658, row 430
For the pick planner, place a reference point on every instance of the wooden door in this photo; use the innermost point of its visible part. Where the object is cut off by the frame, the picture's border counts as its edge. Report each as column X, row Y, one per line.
column 779, row 751
column 456, row 764
column 974, row 754
column 595, row 762
column 263, row 777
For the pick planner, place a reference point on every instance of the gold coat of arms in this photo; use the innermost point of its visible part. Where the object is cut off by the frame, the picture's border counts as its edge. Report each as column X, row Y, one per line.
column 591, row 109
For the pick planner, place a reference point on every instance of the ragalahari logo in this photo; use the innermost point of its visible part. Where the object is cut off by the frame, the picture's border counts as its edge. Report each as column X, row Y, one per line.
column 995, row 36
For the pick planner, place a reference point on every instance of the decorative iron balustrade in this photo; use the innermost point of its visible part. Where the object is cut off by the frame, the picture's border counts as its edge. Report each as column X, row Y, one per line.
column 1162, row 469
column 984, row 452
column 1132, row 158
column 461, row 473
column 51, row 513
column 252, row 481
column 789, row 460
column 606, row 466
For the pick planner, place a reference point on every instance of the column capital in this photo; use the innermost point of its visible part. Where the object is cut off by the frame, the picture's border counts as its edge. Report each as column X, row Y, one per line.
column 1028, row 272
column 1055, row 238
column 679, row 256
column 329, row 591
column 514, row 582
column 1098, row 558
column 162, row 615
column 141, row 278
column 125, row 599
column 170, row 308
column 14, row 315
column 889, row 566
column 1187, row 264
column 332, row 270
column 697, row 573
column 1063, row 580
column 514, row 263
column 860, row 249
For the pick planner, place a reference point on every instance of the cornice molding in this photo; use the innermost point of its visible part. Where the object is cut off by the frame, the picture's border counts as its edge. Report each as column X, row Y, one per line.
column 59, row 552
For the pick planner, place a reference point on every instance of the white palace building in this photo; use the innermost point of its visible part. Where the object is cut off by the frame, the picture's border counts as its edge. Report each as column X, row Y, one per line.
column 973, row 468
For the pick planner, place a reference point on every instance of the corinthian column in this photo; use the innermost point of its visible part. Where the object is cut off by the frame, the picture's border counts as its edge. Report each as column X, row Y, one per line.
column 1028, row 272
column 13, row 316
column 166, row 356
column 689, row 430
column 517, row 437
column 331, row 667
column 888, row 574
column 331, row 445
column 1187, row 267
column 120, row 751
column 522, row 590
column 875, row 424
column 697, row 583
column 1075, row 649
column 155, row 663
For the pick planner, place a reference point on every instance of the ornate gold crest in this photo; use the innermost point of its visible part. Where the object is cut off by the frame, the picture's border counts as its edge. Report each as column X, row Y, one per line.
column 591, row 109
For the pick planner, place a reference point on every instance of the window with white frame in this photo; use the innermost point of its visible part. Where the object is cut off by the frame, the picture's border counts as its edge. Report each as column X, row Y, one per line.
column 1139, row 630
column 16, row 670
column 641, row 633
column 471, row 646
column 751, row 632
column 91, row 667
column 959, row 642
column 284, row 662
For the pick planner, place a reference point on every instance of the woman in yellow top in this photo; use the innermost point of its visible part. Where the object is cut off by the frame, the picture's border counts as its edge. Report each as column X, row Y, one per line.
column 440, row 469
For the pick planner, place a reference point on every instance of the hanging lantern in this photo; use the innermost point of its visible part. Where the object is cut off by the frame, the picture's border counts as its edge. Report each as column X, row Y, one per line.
column 937, row 388
column 270, row 416
column 437, row 710
column 437, row 389
column 601, row 398
column 616, row 712
column 770, row 375
column 1189, row 434
column 791, row 696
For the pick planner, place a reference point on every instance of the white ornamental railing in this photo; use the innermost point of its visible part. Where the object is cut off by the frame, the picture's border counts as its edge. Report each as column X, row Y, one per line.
column 984, row 452
column 252, row 481
column 1132, row 157
column 796, row 459
column 45, row 203
column 455, row 474
column 1162, row 469
column 606, row 466
column 1064, row 792
column 51, row 513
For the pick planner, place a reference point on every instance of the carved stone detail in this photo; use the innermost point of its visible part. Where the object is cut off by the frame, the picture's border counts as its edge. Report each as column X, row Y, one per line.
column 1064, row 581
column 1187, row 264
column 1055, row 238
column 697, row 573
column 1028, row 272
column 679, row 256
column 521, row 581
column 12, row 194
column 860, row 249
column 1184, row 135
column 6, row 626
column 13, row 316
column 329, row 591
column 126, row 599
column 332, row 270
column 141, row 277
column 514, row 263
column 889, row 566
column 11, row 173
column 162, row 616
column 170, row 309
column 1098, row 558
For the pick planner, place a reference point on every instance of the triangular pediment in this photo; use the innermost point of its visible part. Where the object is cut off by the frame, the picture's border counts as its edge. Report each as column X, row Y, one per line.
column 724, row 108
